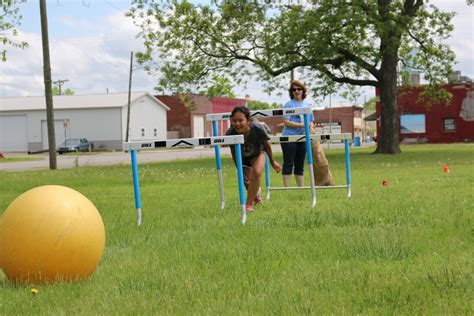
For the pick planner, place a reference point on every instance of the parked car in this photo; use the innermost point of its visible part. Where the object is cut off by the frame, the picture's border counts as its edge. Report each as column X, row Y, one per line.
column 75, row 145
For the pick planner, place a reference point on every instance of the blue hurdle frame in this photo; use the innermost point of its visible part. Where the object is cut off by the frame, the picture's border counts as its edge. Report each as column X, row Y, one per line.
column 345, row 137
column 188, row 142
column 214, row 117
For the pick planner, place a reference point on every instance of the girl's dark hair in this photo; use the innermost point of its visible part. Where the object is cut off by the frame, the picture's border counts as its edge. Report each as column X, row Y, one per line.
column 297, row 83
column 241, row 109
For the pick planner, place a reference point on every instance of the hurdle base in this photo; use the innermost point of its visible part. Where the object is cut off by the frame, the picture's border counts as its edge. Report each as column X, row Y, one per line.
column 308, row 187
column 139, row 216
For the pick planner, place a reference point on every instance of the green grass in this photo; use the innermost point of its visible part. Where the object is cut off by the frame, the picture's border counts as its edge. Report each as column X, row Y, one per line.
column 406, row 248
column 16, row 159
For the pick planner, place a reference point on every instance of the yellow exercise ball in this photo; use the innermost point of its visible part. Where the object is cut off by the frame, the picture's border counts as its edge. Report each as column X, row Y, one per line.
column 50, row 233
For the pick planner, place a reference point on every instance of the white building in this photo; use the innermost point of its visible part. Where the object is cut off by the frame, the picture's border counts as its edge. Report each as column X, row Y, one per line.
column 102, row 119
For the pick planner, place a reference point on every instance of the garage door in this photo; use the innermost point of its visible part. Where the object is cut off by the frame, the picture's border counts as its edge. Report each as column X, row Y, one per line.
column 59, row 131
column 198, row 126
column 13, row 133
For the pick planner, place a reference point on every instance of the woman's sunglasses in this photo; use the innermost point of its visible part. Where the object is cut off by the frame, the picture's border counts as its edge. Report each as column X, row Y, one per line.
column 296, row 89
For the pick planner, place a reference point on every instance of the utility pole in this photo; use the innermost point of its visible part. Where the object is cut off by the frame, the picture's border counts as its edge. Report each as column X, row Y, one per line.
column 59, row 83
column 364, row 116
column 330, row 116
column 47, row 86
column 129, row 96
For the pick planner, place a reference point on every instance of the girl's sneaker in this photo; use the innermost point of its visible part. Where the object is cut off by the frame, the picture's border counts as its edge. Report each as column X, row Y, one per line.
column 258, row 200
column 249, row 208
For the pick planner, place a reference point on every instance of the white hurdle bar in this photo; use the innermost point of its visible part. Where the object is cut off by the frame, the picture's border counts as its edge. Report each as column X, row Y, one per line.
column 214, row 117
column 236, row 140
column 342, row 137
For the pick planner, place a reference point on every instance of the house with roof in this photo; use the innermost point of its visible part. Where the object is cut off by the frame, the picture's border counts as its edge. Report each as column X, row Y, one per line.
column 101, row 118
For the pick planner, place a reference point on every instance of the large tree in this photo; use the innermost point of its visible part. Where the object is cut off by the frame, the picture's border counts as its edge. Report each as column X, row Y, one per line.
column 332, row 43
column 9, row 21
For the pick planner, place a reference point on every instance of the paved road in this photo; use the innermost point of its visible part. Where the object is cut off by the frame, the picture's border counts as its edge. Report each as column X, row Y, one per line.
column 114, row 158
column 109, row 158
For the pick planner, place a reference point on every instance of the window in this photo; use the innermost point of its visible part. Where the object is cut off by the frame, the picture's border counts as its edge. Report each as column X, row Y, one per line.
column 449, row 125
column 143, row 132
column 412, row 124
column 155, row 132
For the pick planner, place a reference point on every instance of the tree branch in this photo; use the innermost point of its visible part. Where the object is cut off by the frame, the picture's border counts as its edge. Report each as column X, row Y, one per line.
column 357, row 82
column 410, row 7
column 360, row 62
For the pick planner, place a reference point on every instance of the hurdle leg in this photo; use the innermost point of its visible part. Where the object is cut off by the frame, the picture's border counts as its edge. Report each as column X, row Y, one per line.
column 348, row 166
column 217, row 152
column 267, row 175
column 309, row 152
column 240, row 177
column 136, row 186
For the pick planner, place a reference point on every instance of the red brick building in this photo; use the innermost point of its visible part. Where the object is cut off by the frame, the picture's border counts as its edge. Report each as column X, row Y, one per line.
column 187, row 122
column 439, row 123
column 346, row 119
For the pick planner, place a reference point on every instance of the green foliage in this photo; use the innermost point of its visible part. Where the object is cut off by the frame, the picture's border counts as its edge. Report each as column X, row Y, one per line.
column 404, row 249
column 370, row 104
column 260, row 105
column 68, row 91
column 342, row 42
column 334, row 45
column 219, row 86
column 9, row 21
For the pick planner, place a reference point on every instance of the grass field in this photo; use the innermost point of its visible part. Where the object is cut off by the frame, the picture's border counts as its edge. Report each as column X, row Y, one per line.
column 405, row 248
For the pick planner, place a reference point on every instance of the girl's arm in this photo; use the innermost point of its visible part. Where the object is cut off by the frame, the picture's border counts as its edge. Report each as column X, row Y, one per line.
column 232, row 151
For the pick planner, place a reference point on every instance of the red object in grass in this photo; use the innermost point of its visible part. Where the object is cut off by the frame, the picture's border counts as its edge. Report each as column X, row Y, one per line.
column 1, row 155
column 446, row 169
column 385, row 183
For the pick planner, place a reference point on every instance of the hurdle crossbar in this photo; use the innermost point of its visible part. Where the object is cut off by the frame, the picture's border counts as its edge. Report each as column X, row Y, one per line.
column 261, row 113
column 302, row 138
column 183, row 142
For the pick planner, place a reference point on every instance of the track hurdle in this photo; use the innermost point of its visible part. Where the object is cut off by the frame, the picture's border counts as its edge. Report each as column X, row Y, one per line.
column 214, row 117
column 236, row 140
column 344, row 137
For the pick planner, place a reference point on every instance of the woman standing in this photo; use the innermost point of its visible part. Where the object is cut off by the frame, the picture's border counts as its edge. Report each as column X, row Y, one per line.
column 294, row 153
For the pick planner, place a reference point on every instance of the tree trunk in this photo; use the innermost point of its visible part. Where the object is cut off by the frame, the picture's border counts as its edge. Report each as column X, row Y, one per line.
column 388, row 141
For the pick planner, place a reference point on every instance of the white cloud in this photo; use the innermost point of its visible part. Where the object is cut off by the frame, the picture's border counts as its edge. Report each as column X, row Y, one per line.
column 92, row 64
column 74, row 23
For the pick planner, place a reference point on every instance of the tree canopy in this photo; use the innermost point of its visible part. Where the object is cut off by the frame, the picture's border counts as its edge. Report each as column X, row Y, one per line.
column 219, row 86
column 9, row 21
column 261, row 105
column 67, row 91
column 332, row 44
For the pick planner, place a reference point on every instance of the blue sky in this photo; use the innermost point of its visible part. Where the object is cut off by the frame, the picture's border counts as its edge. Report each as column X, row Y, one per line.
column 91, row 41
